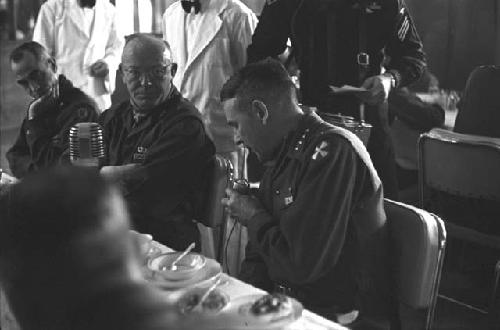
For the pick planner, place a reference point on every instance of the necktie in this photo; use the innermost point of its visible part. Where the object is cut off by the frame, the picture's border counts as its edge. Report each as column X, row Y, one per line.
column 188, row 4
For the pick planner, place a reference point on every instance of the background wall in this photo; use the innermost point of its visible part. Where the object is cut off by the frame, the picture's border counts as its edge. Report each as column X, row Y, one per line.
column 458, row 35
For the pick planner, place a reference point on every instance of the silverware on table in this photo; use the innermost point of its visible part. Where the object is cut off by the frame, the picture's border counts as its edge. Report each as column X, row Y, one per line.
column 173, row 265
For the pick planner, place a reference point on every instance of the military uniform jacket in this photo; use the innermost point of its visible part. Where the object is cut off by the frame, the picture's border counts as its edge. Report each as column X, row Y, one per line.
column 325, row 37
column 174, row 153
column 323, row 232
column 44, row 140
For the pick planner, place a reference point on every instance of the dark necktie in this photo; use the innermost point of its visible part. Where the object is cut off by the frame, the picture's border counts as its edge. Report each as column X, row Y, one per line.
column 87, row 3
column 188, row 4
column 137, row 119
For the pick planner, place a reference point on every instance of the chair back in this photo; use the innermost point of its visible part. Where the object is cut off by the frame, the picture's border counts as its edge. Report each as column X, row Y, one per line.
column 213, row 217
column 418, row 241
column 219, row 181
column 466, row 169
column 459, row 164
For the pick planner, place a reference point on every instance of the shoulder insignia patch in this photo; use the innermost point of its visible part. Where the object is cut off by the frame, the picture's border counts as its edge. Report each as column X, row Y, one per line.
column 320, row 151
column 403, row 27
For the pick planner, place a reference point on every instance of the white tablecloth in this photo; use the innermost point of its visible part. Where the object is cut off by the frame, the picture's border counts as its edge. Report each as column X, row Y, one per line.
column 235, row 288
column 309, row 321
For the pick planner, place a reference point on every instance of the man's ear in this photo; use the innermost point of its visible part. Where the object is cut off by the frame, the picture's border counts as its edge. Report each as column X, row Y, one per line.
column 260, row 110
column 173, row 69
column 120, row 69
column 52, row 63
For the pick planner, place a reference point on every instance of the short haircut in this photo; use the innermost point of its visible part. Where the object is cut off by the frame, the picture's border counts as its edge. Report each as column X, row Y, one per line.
column 32, row 47
column 266, row 80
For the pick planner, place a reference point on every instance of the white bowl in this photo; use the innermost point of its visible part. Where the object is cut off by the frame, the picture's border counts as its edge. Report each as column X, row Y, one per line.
column 185, row 268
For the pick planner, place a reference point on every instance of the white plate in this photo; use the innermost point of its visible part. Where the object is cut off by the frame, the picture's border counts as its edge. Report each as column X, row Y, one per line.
column 206, row 274
column 236, row 316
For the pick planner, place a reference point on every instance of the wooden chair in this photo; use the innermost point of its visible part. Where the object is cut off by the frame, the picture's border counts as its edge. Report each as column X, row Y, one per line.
column 466, row 167
column 418, row 241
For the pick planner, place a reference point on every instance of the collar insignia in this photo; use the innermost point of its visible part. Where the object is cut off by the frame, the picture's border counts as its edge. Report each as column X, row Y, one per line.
column 320, row 150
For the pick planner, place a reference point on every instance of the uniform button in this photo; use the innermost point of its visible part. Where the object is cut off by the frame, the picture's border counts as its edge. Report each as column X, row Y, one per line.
column 296, row 148
column 300, row 142
column 277, row 192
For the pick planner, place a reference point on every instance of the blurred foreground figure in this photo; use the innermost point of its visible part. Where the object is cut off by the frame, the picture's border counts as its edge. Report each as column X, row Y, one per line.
column 57, row 105
column 67, row 260
column 82, row 36
column 157, row 147
column 317, row 225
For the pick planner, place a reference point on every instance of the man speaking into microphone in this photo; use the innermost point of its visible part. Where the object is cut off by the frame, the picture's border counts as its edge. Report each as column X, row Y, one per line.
column 157, row 147
column 57, row 105
column 316, row 225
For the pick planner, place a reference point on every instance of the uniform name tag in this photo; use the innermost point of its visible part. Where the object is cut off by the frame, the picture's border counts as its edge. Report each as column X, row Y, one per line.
column 140, row 155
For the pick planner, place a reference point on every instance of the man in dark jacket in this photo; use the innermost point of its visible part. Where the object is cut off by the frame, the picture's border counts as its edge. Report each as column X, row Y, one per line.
column 317, row 225
column 43, row 138
column 157, row 147
column 343, row 42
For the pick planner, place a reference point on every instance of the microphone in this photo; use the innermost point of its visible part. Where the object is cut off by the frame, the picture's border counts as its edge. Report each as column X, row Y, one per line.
column 86, row 145
column 241, row 184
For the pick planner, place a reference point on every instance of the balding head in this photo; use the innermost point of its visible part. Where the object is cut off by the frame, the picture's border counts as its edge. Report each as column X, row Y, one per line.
column 147, row 70
column 143, row 47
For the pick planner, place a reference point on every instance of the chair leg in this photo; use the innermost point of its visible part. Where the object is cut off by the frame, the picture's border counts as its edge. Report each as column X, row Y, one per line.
column 494, row 308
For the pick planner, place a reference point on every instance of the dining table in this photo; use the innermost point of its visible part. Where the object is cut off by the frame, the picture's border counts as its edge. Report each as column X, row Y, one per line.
column 236, row 289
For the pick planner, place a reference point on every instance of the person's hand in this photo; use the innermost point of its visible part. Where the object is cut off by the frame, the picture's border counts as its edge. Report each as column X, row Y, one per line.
column 99, row 69
column 117, row 172
column 6, row 181
column 241, row 207
column 378, row 87
column 41, row 104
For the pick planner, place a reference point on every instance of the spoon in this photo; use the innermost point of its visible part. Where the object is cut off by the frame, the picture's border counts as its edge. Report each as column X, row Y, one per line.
column 207, row 293
column 173, row 265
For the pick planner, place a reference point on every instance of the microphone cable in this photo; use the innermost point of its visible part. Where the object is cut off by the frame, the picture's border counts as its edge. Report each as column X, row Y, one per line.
column 242, row 186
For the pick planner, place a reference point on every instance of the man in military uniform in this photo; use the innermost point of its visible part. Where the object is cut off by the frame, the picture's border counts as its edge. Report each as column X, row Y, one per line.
column 344, row 42
column 44, row 135
column 157, row 147
column 317, row 224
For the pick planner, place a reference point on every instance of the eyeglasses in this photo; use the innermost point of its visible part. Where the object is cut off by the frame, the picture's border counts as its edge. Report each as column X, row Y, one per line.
column 156, row 72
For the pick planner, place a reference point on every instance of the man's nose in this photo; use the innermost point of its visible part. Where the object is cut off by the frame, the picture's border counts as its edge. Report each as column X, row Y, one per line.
column 145, row 80
column 237, row 138
column 33, row 87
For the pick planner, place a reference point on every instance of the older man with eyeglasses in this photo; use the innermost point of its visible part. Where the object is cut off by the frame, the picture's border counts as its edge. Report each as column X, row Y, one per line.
column 157, row 147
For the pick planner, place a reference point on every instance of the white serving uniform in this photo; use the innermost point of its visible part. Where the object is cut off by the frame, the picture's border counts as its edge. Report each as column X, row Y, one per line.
column 77, row 38
column 209, row 47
